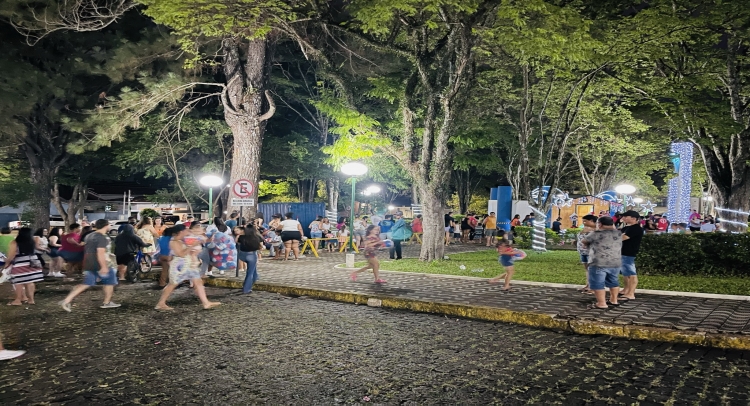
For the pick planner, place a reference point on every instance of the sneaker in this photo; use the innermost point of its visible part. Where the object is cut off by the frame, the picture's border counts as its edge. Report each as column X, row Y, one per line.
column 221, row 272
column 110, row 305
column 8, row 354
column 58, row 275
column 210, row 273
column 65, row 306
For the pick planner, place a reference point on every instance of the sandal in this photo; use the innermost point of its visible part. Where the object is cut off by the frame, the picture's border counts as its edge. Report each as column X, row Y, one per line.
column 613, row 304
column 380, row 281
column 593, row 306
column 163, row 309
column 353, row 277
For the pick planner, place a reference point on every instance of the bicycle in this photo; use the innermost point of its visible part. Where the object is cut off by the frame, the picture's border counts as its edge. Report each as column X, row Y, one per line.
column 139, row 265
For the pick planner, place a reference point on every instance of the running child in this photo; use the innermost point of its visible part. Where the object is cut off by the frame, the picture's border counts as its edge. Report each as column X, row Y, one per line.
column 371, row 245
column 506, row 258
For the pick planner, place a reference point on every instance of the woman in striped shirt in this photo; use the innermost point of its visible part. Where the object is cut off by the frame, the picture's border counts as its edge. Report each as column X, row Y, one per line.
column 25, row 268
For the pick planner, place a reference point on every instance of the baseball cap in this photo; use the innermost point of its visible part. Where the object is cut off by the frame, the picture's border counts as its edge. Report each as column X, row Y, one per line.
column 631, row 213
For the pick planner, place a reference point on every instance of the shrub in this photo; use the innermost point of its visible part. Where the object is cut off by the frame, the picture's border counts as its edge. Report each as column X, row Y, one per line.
column 706, row 254
column 523, row 236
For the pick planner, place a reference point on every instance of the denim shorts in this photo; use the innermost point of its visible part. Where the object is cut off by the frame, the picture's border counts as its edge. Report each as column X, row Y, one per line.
column 71, row 256
column 505, row 260
column 599, row 277
column 316, row 234
column 91, row 278
column 584, row 258
column 628, row 266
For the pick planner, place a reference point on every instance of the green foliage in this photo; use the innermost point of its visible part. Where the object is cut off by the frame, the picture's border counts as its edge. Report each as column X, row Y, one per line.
column 705, row 254
column 523, row 237
column 562, row 267
column 279, row 191
column 150, row 213
column 478, row 203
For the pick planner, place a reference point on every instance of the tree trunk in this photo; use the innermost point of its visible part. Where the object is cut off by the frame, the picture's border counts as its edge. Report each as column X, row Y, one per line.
column 247, row 69
column 433, row 237
column 41, row 179
column 415, row 198
column 332, row 190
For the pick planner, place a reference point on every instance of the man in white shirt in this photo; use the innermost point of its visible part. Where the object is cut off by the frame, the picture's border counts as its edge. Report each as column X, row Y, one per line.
column 376, row 219
column 708, row 227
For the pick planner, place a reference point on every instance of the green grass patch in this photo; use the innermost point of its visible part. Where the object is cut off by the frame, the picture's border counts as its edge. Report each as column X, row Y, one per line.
column 561, row 267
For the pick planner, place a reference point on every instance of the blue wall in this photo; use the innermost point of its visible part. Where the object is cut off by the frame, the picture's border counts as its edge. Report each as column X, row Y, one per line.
column 305, row 213
column 504, row 207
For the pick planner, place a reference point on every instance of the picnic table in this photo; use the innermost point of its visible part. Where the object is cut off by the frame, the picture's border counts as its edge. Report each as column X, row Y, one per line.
column 312, row 243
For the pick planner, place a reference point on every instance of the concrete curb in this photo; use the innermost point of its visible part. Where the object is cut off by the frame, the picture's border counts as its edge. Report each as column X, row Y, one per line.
column 569, row 286
column 531, row 319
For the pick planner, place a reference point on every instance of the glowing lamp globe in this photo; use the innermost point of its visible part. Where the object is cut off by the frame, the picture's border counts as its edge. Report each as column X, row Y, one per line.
column 372, row 189
column 637, row 200
column 354, row 169
column 211, row 181
column 625, row 189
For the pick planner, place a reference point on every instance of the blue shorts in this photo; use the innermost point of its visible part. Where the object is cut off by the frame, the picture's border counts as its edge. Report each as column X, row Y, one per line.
column 599, row 277
column 71, row 256
column 584, row 258
column 628, row 266
column 91, row 278
column 505, row 260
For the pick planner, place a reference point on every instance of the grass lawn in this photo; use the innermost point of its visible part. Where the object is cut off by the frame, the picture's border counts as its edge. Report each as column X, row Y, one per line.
column 560, row 267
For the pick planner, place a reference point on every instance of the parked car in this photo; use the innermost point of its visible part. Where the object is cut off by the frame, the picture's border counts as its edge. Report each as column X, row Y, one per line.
column 114, row 225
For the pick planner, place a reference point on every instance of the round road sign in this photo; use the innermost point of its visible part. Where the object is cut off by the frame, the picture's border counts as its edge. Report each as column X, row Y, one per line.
column 243, row 188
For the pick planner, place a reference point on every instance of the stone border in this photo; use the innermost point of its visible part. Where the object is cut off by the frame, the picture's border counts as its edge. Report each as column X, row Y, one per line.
column 531, row 319
column 569, row 286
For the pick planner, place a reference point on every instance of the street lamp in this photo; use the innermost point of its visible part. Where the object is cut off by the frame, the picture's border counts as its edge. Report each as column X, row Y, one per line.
column 353, row 169
column 211, row 181
column 637, row 200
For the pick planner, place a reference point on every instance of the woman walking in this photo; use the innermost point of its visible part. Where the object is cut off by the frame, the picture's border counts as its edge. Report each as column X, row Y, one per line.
column 25, row 268
column 165, row 256
column 291, row 235
column 184, row 267
column 249, row 244
column 56, row 262
column 42, row 245
column 372, row 244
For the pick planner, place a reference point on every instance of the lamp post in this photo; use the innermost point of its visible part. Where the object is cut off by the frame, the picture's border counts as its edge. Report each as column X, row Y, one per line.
column 211, row 181
column 352, row 169
column 625, row 190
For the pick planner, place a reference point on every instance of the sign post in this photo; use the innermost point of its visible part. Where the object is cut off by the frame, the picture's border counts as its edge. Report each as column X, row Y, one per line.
column 243, row 189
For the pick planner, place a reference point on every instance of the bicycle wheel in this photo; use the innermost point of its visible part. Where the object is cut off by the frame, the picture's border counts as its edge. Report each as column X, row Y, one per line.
column 146, row 263
column 132, row 275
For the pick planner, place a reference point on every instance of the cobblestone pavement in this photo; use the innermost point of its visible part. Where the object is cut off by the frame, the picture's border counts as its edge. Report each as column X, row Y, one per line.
column 674, row 312
column 269, row 349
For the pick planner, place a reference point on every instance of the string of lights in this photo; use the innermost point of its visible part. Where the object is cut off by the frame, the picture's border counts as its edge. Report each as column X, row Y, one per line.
column 539, row 241
column 732, row 211
column 738, row 223
column 678, row 195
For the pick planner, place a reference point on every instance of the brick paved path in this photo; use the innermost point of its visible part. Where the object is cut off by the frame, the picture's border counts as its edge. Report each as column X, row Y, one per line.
column 270, row 349
column 674, row 312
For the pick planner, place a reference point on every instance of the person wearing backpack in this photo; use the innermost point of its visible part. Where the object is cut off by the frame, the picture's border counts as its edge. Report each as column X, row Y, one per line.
column 401, row 232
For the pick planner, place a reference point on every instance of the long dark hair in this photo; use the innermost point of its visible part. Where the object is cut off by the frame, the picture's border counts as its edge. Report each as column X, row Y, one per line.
column 25, row 241
column 251, row 235
column 86, row 231
column 219, row 223
column 55, row 232
column 370, row 228
column 39, row 232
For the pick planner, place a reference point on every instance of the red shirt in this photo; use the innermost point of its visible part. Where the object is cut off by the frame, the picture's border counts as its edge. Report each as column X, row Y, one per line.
column 662, row 225
column 416, row 225
column 67, row 246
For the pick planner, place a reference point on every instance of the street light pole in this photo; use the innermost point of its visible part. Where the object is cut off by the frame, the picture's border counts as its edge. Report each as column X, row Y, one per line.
column 351, row 215
column 211, row 181
column 352, row 169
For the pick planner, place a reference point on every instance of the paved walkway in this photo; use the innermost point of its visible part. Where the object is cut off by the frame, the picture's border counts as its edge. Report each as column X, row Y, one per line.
column 709, row 315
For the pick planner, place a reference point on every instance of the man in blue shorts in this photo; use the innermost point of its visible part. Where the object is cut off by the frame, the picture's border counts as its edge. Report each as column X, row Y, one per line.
column 98, row 266
column 604, row 263
column 632, row 234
